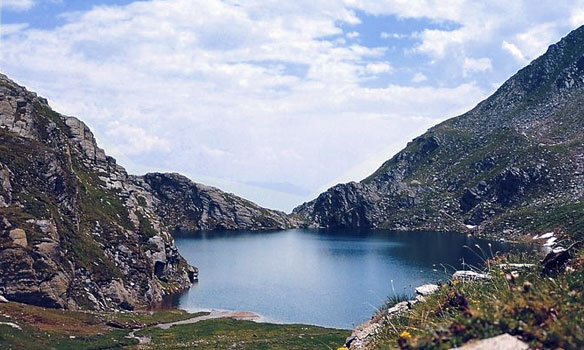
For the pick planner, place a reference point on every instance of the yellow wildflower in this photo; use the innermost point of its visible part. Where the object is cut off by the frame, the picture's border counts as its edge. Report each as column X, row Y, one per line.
column 343, row 348
column 405, row 335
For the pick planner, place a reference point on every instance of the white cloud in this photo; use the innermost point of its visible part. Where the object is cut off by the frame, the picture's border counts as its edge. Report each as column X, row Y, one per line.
column 386, row 35
column 436, row 43
column 133, row 140
column 419, row 77
column 514, row 51
column 213, row 152
column 22, row 5
column 352, row 35
column 466, row 25
column 17, row 5
column 534, row 41
column 577, row 18
column 8, row 29
column 472, row 65
column 378, row 67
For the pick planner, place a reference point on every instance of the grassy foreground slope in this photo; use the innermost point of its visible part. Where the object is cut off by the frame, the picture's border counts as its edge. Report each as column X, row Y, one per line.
column 545, row 311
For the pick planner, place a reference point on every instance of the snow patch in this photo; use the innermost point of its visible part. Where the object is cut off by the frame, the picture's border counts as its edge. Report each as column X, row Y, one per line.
column 550, row 242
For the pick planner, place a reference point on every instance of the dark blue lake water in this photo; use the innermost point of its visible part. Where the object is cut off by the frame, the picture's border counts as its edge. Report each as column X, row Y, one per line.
column 328, row 278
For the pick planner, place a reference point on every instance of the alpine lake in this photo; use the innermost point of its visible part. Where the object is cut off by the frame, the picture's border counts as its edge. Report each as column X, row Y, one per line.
column 332, row 278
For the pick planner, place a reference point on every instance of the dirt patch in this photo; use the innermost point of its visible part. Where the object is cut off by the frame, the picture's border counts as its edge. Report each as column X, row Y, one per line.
column 51, row 320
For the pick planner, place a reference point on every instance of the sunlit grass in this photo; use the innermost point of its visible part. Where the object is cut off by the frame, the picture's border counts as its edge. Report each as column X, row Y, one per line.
column 547, row 313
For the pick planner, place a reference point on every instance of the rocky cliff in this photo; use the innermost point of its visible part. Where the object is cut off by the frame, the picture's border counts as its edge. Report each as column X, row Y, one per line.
column 186, row 205
column 76, row 231
column 513, row 163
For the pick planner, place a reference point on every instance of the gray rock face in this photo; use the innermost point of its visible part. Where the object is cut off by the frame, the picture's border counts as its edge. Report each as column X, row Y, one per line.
column 84, row 138
column 512, row 164
column 78, row 232
column 186, row 205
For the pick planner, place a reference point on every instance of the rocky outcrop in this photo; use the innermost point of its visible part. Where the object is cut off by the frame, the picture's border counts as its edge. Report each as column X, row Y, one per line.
column 511, row 165
column 351, row 205
column 186, row 205
column 76, row 231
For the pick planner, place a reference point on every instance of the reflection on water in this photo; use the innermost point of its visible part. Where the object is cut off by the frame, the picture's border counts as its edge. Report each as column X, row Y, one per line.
column 331, row 278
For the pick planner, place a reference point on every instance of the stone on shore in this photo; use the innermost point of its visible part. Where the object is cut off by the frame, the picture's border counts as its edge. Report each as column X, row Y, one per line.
column 512, row 266
column 363, row 335
column 427, row 289
column 501, row 342
column 398, row 308
column 470, row 276
column 3, row 300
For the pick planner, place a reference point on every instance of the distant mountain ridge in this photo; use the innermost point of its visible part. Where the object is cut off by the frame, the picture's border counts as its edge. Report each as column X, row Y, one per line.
column 513, row 164
column 78, row 232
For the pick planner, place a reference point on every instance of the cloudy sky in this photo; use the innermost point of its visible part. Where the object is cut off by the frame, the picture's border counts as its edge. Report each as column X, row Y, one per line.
column 274, row 100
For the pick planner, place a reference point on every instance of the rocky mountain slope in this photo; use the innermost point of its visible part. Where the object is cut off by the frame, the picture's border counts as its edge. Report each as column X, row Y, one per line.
column 76, row 231
column 513, row 163
column 186, row 205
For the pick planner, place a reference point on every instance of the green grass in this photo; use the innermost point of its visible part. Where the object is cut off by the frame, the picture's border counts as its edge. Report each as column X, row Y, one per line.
column 31, row 339
column 395, row 299
column 46, row 116
column 547, row 313
column 145, row 227
column 45, row 329
column 99, row 203
column 244, row 335
column 141, row 319
column 560, row 217
column 56, row 329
